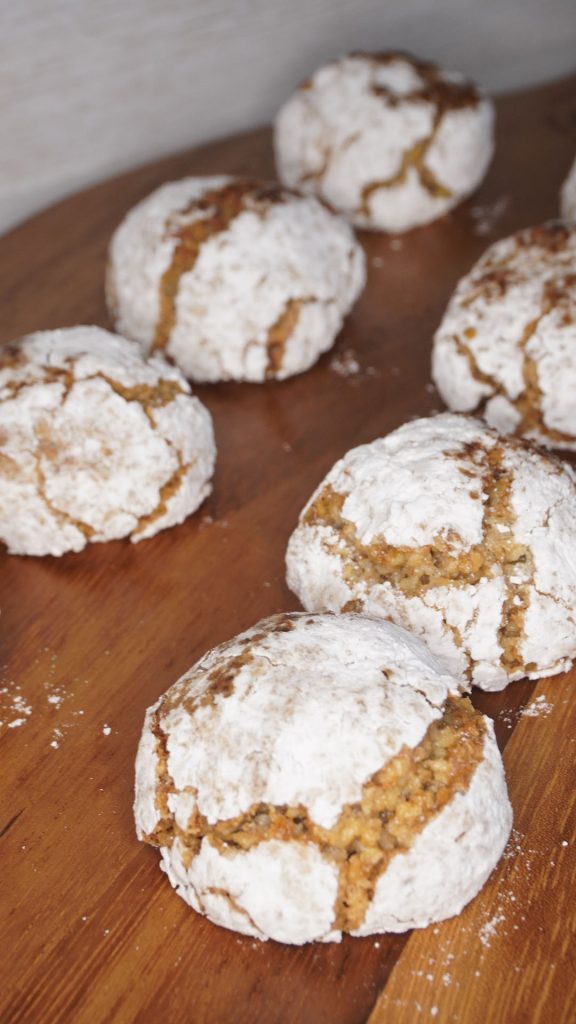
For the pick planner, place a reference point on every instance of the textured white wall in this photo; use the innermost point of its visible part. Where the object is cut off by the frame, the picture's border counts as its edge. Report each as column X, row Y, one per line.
column 90, row 87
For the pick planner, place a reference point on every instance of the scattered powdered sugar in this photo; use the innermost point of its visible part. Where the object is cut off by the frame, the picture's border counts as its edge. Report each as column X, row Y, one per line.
column 539, row 708
column 106, row 730
column 48, row 698
column 56, row 737
column 13, row 706
column 345, row 364
column 489, row 929
column 503, row 918
column 486, row 216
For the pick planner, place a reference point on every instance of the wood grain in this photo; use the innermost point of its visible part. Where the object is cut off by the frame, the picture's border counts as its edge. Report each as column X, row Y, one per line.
column 91, row 930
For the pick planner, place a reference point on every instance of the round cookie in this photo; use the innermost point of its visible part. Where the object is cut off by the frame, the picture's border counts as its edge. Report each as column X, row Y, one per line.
column 461, row 535
column 234, row 279
column 389, row 140
column 568, row 195
column 506, row 347
column 96, row 442
column 319, row 775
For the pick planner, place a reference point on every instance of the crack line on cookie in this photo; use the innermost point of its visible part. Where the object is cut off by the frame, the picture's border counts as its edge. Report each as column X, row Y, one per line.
column 411, row 158
column 234, row 905
column 166, row 492
column 149, row 396
column 278, row 336
column 59, row 514
column 219, row 206
column 513, row 559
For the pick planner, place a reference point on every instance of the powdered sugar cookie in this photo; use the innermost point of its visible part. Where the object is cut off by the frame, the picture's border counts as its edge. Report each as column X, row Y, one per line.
column 234, row 279
column 390, row 140
column 506, row 347
column 455, row 532
column 96, row 442
column 568, row 195
column 320, row 775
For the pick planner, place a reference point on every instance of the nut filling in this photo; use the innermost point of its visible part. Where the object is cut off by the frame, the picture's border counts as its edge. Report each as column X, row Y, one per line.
column 413, row 570
column 396, row 804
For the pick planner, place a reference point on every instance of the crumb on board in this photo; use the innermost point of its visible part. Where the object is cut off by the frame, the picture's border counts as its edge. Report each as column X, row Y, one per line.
column 347, row 366
column 539, row 708
column 490, row 928
column 485, row 216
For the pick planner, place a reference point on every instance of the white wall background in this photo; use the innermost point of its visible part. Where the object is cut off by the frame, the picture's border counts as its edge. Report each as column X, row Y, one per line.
column 90, row 87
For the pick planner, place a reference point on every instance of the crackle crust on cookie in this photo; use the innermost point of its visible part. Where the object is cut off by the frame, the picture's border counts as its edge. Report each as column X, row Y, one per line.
column 390, row 140
column 451, row 530
column 506, row 347
column 285, row 775
column 233, row 278
column 96, row 442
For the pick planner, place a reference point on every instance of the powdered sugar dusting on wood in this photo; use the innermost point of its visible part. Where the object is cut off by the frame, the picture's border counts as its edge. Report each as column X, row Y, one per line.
column 346, row 365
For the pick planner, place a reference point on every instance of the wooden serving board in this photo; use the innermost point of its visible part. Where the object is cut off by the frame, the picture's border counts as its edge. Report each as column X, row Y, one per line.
column 91, row 930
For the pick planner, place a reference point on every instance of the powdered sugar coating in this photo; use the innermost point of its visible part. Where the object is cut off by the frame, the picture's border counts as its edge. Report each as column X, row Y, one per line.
column 568, row 195
column 506, row 346
column 260, row 292
column 310, row 708
column 96, row 442
column 391, row 141
column 300, row 701
column 431, row 486
column 278, row 890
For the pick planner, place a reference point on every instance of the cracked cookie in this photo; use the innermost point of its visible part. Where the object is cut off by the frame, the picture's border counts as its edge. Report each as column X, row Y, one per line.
column 321, row 774
column 460, row 534
column 506, row 347
column 96, row 442
column 234, row 279
column 568, row 195
column 389, row 140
